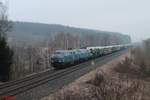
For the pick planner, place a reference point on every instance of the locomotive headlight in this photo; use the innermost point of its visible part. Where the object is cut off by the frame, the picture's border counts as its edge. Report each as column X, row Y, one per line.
column 60, row 60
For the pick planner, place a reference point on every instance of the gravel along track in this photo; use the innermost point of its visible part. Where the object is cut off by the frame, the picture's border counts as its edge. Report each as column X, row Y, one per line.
column 50, row 81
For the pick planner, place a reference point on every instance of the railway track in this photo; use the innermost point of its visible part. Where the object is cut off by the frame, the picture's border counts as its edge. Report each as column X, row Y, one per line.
column 21, row 80
column 19, row 86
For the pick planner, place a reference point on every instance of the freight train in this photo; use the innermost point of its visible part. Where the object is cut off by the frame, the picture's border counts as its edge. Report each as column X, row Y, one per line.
column 66, row 58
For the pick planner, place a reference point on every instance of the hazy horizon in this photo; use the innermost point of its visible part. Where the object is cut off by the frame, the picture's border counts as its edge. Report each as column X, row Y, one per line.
column 125, row 16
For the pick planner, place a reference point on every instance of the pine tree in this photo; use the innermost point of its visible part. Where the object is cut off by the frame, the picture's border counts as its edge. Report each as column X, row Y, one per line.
column 6, row 54
column 5, row 59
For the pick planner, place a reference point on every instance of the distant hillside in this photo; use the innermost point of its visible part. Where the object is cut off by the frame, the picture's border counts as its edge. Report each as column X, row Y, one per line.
column 30, row 33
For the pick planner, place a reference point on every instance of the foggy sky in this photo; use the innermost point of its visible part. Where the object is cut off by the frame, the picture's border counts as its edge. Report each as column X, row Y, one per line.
column 126, row 16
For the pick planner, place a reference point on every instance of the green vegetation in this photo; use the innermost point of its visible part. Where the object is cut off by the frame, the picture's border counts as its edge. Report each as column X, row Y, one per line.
column 6, row 53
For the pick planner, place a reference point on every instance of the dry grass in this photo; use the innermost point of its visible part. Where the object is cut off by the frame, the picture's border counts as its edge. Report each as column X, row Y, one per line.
column 102, row 88
column 127, row 69
column 138, row 63
column 128, row 83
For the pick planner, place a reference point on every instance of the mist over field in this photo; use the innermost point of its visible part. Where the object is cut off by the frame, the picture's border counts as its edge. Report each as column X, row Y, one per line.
column 125, row 16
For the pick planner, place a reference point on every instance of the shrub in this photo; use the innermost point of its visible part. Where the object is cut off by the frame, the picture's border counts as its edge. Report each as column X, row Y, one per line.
column 102, row 88
column 141, row 57
column 127, row 66
column 98, row 78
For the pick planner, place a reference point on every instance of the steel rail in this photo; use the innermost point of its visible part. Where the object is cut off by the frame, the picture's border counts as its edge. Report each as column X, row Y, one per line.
column 20, row 86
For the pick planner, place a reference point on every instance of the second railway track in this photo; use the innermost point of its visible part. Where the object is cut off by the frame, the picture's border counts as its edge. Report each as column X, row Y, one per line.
column 25, row 84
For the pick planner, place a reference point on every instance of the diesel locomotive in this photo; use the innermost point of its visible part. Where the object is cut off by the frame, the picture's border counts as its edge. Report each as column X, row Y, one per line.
column 66, row 58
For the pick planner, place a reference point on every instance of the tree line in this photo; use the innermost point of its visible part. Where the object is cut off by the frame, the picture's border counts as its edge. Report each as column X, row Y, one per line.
column 19, row 61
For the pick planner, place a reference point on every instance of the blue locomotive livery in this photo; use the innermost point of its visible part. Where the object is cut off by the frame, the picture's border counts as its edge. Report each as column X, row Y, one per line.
column 65, row 58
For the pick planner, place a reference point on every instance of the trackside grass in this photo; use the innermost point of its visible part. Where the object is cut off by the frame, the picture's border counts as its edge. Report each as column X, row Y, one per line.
column 125, row 78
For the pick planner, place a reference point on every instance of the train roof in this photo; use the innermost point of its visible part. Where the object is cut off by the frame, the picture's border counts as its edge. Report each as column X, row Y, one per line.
column 97, row 47
column 102, row 47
